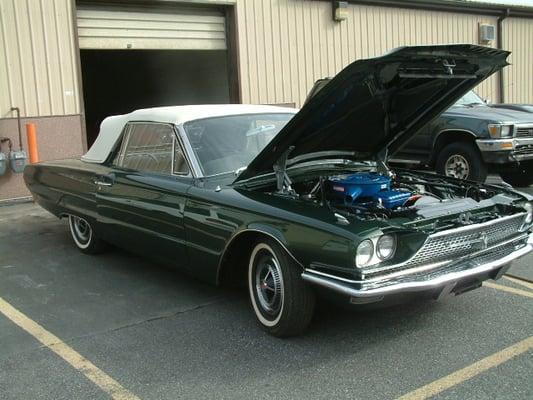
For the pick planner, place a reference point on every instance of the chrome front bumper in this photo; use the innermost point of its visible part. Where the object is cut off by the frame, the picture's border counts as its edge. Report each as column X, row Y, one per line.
column 448, row 277
column 511, row 149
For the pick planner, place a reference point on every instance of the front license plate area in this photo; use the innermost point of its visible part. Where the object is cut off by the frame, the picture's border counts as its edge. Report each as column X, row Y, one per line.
column 467, row 286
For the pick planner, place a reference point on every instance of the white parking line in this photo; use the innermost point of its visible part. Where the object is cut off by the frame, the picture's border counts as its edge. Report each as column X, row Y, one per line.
column 71, row 356
column 509, row 289
column 519, row 282
column 462, row 375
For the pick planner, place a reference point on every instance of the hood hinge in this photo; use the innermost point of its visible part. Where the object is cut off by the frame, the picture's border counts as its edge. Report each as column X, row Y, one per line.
column 283, row 182
column 381, row 163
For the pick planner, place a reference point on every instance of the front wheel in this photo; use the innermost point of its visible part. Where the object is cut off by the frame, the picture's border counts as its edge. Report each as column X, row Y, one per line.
column 84, row 236
column 463, row 161
column 522, row 177
column 282, row 302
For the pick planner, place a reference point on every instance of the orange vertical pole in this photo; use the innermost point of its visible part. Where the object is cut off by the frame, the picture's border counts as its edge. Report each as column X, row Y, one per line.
column 31, row 132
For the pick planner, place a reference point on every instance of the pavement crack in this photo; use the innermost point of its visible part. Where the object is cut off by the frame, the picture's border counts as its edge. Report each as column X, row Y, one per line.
column 216, row 300
column 163, row 316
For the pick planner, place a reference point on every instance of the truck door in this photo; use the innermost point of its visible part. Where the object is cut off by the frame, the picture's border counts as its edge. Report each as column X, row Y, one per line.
column 141, row 201
column 419, row 147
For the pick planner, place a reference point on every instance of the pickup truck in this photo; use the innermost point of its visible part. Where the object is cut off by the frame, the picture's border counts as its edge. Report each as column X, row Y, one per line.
column 471, row 139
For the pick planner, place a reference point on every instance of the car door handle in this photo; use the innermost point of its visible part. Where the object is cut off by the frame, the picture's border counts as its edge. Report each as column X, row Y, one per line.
column 105, row 180
column 102, row 183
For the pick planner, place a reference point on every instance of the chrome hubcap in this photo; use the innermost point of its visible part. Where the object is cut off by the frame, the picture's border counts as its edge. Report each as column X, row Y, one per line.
column 82, row 229
column 457, row 167
column 268, row 284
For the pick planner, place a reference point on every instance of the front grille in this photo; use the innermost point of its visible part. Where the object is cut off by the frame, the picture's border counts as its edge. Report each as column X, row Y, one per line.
column 523, row 149
column 447, row 246
column 524, row 131
column 494, row 255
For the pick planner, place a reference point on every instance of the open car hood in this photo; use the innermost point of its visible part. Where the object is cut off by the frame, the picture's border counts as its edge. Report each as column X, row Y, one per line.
column 373, row 107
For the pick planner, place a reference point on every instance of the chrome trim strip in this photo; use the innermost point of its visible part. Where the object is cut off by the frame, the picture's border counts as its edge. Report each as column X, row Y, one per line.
column 476, row 226
column 521, row 140
column 414, row 285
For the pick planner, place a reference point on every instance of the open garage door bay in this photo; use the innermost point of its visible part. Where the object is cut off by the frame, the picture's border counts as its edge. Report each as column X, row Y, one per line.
column 177, row 28
column 139, row 57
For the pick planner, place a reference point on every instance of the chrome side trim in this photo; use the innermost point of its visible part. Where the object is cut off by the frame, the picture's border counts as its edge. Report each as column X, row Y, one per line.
column 412, row 285
column 230, row 241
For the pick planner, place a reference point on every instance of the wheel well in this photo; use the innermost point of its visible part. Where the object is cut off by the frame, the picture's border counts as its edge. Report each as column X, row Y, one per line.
column 448, row 137
column 234, row 263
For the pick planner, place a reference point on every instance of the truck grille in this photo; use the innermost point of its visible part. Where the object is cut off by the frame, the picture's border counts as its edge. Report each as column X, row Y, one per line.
column 447, row 246
column 524, row 131
column 523, row 149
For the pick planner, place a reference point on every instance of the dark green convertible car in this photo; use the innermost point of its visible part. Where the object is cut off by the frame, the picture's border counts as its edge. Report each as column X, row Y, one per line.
column 295, row 204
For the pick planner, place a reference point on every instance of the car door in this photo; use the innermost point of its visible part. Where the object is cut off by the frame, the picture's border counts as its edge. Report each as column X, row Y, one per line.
column 141, row 200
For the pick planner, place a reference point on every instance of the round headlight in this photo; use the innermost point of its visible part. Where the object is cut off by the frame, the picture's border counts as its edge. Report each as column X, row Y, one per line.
column 386, row 246
column 365, row 251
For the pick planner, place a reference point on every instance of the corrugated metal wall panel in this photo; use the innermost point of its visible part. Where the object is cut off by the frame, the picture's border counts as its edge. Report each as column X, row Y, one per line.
column 285, row 45
column 37, row 58
column 148, row 28
column 518, row 77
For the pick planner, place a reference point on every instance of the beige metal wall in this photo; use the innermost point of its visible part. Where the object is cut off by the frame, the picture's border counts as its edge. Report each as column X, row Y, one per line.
column 38, row 70
column 285, row 45
column 518, row 77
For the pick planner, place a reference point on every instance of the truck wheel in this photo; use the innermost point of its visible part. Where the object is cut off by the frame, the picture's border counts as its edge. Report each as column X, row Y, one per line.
column 522, row 177
column 282, row 302
column 84, row 237
column 463, row 161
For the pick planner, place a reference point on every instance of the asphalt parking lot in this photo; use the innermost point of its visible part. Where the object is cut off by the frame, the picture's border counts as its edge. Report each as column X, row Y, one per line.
column 74, row 326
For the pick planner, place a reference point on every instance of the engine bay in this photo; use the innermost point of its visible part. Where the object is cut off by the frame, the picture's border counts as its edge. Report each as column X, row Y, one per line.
column 368, row 194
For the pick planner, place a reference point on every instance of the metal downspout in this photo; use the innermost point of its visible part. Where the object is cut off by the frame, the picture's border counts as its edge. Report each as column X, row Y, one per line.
column 499, row 45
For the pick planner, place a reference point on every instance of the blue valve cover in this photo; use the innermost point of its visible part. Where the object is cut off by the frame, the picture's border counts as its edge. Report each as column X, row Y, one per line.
column 393, row 198
column 362, row 186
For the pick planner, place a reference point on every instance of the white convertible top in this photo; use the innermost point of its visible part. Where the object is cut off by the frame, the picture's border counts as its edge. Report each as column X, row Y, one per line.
column 111, row 127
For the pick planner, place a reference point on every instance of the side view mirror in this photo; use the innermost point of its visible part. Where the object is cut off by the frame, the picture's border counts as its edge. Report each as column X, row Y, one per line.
column 487, row 101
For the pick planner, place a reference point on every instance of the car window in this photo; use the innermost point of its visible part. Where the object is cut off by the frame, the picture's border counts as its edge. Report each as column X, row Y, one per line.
column 151, row 147
column 225, row 144
column 180, row 163
column 469, row 99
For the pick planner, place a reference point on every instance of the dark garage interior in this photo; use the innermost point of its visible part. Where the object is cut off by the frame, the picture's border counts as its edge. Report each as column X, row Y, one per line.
column 120, row 81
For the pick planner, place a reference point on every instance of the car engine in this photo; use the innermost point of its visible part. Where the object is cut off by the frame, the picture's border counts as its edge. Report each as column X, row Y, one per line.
column 368, row 195
column 365, row 189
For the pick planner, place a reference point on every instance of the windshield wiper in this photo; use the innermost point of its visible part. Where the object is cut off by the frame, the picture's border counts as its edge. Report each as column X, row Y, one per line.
column 472, row 104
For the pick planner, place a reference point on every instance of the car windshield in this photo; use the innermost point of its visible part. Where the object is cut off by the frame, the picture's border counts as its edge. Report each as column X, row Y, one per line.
column 470, row 99
column 229, row 143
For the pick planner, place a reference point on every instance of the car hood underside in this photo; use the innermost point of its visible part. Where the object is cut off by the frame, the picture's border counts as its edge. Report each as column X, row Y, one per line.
column 372, row 107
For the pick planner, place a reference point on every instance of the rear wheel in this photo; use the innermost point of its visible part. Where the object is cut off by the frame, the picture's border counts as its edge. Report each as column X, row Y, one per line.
column 282, row 302
column 84, row 237
column 521, row 177
column 463, row 161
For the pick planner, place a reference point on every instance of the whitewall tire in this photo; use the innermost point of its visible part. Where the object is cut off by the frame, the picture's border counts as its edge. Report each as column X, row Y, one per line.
column 84, row 236
column 282, row 302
